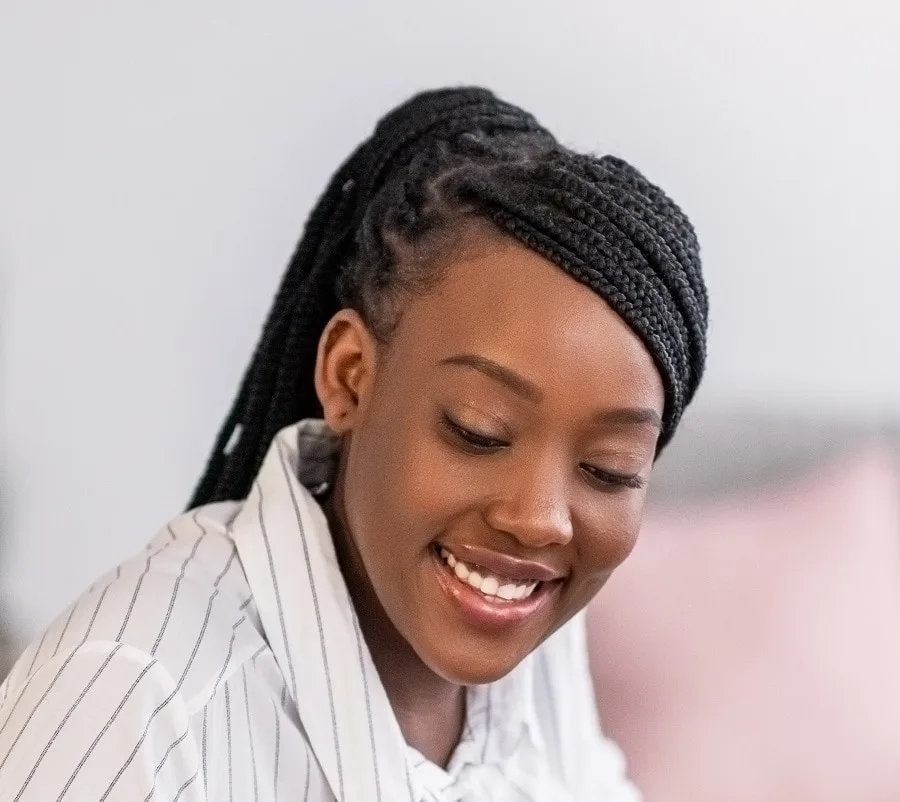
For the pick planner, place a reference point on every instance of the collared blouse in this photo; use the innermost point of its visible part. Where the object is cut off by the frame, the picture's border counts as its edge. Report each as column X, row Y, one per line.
column 226, row 662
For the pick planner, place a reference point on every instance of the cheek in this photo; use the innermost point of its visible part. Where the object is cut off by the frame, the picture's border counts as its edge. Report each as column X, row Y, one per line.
column 606, row 536
column 397, row 490
column 432, row 492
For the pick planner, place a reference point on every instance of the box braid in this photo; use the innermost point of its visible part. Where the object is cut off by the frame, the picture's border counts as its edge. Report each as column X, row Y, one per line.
column 435, row 167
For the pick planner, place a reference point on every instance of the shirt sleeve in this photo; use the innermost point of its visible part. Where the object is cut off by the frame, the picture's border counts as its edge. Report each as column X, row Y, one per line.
column 591, row 765
column 104, row 723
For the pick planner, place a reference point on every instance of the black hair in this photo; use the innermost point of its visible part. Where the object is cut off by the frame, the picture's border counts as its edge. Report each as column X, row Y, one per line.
column 437, row 165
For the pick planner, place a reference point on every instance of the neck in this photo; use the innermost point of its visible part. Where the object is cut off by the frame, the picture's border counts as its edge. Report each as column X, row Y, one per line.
column 429, row 709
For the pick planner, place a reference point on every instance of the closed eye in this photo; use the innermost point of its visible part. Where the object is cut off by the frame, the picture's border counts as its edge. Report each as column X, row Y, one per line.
column 606, row 480
column 479, row 443
column 472, row 441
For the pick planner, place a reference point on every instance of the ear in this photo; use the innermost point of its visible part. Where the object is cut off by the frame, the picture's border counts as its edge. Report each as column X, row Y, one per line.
column 345, row 369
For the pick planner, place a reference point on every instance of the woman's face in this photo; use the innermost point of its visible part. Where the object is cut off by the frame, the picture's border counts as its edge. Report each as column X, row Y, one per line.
column 495, row 470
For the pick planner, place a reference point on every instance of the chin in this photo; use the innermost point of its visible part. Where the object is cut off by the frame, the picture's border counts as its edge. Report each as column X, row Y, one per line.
column 471, row 667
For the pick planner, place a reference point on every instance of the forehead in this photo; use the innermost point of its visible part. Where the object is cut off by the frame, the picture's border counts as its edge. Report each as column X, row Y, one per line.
column 503, row 301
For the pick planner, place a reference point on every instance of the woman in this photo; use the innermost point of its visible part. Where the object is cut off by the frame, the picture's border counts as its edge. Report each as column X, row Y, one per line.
column 438, row 455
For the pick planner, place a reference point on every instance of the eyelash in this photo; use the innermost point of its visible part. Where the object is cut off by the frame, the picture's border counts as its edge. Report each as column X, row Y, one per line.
column 614, row 480
column 479, row 443
column 476, row 443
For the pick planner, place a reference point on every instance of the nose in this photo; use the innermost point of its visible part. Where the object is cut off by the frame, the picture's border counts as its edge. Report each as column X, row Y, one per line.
column 532, row 506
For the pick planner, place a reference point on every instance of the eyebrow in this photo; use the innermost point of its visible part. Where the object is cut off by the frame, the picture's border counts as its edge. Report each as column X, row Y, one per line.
column 499, row 373
column 629, row 416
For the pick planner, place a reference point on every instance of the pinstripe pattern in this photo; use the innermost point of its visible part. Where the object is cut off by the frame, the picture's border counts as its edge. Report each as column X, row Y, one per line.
column 250, row 734
column 162, row 763
column 229, row 753
column 37, row 651
column 63, row 633
column 204, row 747
column 104, row 730
column 165, row 623
column 62, row 723
column 319, row 623
column 137, row 587
column 486, row 733
column 137, row 747
column 409, row 785
column 181, row 790
column 364, row 674
column 308, row 777
column 90, row 626
column 220, row 663
column 274, row 579
column 277, row 750
column 162, row 705
column 33, row 711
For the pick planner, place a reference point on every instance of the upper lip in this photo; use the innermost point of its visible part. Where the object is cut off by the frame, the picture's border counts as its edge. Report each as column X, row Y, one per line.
column 504, row 565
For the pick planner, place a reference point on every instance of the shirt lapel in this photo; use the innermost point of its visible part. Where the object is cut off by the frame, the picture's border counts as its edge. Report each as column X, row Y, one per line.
column 283, row 539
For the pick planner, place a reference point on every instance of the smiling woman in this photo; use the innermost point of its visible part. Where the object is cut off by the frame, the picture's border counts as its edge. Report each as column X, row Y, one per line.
column 439, row 454
column 495, row 420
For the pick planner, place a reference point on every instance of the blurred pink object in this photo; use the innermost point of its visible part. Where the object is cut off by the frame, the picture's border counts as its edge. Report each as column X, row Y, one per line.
column 749, row 651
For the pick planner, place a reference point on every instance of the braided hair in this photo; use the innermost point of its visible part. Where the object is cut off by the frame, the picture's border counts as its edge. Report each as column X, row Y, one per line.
column 436, row 165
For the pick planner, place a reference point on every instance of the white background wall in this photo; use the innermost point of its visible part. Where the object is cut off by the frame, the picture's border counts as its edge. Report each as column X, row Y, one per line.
column 157, row 161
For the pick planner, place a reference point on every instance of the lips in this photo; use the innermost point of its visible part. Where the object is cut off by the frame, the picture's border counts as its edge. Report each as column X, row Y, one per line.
column 516, row 569
column 476, row 599
column 490, row 585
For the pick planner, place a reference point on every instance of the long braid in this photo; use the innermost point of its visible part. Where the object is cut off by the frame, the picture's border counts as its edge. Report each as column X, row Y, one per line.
column 252, row 414
column 432, row 163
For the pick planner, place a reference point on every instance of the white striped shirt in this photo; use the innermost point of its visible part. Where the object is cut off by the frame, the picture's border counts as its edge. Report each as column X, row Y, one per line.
column 225, row 662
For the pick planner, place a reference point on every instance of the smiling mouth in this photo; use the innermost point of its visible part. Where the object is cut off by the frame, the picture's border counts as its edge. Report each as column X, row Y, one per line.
column 494, row 588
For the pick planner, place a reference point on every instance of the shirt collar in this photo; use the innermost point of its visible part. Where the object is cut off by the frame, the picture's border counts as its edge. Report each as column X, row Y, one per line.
column 283, row 539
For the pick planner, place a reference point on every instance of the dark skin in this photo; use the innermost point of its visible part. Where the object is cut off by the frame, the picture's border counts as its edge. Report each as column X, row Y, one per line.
column 564, row 402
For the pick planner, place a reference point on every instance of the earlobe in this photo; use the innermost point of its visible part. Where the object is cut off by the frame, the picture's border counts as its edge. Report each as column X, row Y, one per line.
column 344, row 365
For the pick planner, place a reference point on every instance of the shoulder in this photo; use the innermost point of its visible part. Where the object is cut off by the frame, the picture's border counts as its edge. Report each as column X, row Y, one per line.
column 103, row 704
column 183, row 603
column 91, row 721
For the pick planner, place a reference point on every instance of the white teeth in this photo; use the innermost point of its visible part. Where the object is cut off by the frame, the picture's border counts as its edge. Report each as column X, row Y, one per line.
column 490, row 586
